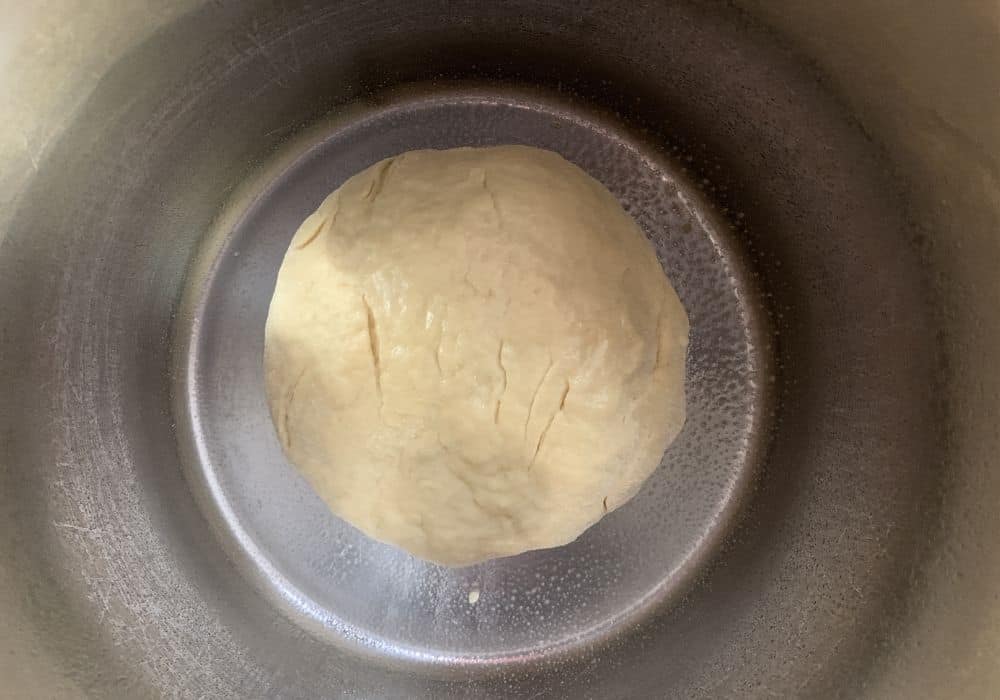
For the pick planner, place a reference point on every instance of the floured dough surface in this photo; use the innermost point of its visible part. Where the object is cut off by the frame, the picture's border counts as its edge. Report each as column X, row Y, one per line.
column 472, row 353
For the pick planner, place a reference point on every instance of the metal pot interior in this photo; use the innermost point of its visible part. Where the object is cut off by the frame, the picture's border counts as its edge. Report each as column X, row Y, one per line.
column 821, row 185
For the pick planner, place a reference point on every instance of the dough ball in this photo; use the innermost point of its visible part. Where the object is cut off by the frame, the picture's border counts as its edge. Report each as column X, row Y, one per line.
column 474, row 352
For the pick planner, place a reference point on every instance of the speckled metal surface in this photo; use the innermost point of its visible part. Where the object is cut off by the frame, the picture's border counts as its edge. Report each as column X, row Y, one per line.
column 541, row 604
column 811, row 546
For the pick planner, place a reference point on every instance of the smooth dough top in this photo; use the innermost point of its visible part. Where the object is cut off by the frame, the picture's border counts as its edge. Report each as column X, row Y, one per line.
column 474, row 352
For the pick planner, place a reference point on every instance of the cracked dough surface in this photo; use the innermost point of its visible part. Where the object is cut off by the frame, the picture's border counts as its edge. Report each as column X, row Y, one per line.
column 472, row 353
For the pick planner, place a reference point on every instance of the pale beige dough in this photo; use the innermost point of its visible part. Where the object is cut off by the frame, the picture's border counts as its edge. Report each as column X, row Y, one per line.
column 472, row 353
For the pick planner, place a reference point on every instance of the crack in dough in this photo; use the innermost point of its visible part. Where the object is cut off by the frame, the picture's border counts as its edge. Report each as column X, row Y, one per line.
column 286, row 436
column 548, row 424
column 503, row 384
column 373, row 346
column 534, row 397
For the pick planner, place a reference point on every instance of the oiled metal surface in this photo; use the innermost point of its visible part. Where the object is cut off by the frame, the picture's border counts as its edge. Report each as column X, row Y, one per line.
column 535, row 606
column 151, row 545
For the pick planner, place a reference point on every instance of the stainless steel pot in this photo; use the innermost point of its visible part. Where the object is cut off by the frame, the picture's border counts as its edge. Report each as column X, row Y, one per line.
column 821, row 181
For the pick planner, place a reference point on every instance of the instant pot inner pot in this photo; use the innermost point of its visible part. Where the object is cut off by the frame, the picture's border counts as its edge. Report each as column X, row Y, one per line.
column 770, row 552
column 531, row 606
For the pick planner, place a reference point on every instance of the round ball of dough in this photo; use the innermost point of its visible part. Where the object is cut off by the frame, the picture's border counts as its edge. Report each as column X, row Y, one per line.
column 474, row 352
